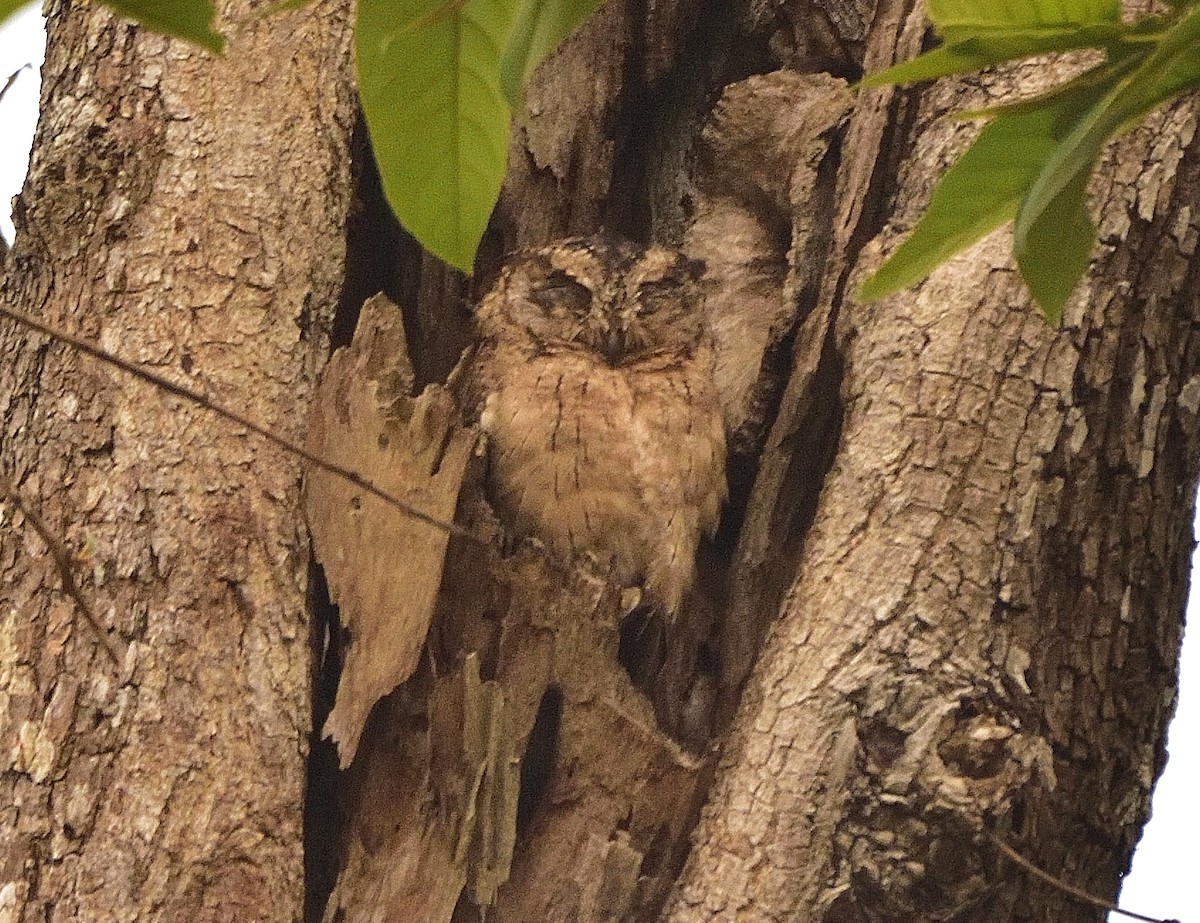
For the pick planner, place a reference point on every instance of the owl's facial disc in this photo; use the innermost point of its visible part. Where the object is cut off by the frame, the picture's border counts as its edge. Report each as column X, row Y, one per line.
column 611, row 299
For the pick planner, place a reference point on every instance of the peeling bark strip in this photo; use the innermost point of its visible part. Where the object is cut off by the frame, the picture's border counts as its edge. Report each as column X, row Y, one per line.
column 154, row 221
column 383, row 568
column 607, row 795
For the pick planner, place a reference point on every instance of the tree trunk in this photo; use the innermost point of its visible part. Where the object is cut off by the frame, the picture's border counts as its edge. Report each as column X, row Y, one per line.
column 186, row 212
column 943, row 608
column 982, row 631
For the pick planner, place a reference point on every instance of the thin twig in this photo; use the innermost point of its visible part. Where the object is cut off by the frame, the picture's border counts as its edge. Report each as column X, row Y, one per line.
column 62, row 560
column 12, row 78
column 1082, row 895
column 233, row 416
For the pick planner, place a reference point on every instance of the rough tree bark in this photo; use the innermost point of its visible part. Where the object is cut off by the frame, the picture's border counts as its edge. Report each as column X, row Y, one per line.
column 945, row 602
column 185, row 212
column 983, row 627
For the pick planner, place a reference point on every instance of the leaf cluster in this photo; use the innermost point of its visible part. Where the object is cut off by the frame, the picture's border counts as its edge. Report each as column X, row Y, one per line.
column 438, row 80
column 1032, row 161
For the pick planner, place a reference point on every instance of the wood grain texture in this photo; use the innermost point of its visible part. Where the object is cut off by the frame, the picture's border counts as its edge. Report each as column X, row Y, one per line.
column 383, row 569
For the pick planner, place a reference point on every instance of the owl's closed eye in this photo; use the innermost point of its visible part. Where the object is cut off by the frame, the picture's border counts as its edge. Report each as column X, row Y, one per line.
column 561, row 292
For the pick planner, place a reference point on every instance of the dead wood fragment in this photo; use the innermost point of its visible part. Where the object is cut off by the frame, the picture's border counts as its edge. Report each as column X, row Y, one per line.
column 383, row 569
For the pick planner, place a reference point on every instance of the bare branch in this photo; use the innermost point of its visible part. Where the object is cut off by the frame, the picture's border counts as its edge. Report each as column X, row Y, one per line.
column 1061, row 885
column 62, row 560
column 233, row 416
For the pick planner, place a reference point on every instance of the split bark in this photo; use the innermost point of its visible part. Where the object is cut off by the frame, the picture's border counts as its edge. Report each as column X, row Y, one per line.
column 982, row 629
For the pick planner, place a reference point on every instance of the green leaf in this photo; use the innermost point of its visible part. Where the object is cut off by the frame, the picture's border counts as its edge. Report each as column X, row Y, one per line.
column 1172, row 67
column 1037, row 155
column 538, row 28
column 428, row 77
column 978, row 35
column 186, row 19
column 1051, row 200
column 959, row 19
column 1181, row 73
column 1057, row 248
column 981, row 191
column 987, row 48
column 8, row 7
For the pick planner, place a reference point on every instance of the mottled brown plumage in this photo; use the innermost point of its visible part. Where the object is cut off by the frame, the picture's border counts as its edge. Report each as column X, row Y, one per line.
column 594, row 383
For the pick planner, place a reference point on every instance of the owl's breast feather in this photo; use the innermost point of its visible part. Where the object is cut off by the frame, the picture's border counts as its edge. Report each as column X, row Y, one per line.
column 625, row 465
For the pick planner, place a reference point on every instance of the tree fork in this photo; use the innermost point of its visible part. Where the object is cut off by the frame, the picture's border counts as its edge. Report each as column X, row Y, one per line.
column 980, row 526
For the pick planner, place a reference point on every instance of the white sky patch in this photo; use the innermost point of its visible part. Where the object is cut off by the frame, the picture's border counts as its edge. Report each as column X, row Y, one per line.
column 22, row 48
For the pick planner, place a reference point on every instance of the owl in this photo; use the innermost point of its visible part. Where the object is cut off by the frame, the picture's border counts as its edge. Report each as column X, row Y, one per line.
column 594, row 383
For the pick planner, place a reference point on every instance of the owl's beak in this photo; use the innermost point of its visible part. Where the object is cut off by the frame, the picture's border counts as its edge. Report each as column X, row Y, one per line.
column 614, row 345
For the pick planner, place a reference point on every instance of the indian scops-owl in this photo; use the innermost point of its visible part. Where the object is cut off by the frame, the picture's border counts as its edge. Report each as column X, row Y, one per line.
column 594, row 383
